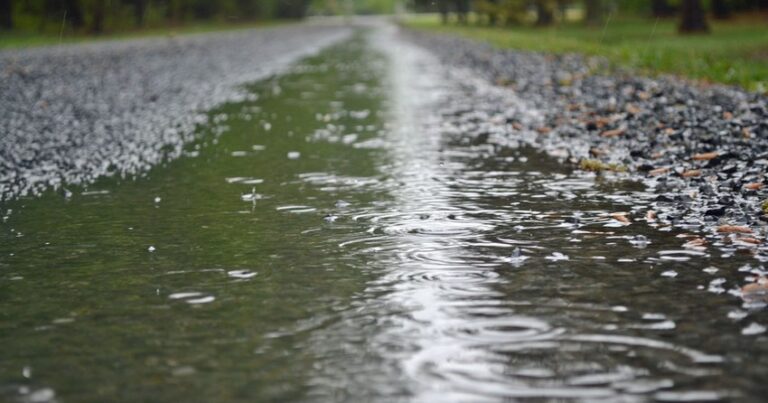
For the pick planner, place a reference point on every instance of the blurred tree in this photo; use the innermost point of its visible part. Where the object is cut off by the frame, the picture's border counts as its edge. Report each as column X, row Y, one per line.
column 204, row 10
column 291, row 8
column 661, row 9
column 513, row 11
column 6, row 14
column 594, row 12
column 247, row 9
column 462, row 10
column 693, row 19
column 442, row 7
column 544, row 14
column 562, row 9
column 487, row 10
column 721, row 9
column 96, row 12
column 74, row 13
column 175, row 11
column 139, row 11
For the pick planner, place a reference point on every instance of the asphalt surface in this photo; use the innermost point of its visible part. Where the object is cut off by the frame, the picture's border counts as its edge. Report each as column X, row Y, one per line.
column 701, row 151
column 71, row 114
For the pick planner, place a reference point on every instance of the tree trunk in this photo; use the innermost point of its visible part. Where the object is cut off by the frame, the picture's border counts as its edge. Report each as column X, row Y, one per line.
column 661, row 9
column 139, row 9
column 720, row 9
column 562, row 9
column 462, row 8
column 97, row 23
column 442, row 6
column 543, row 13
column 492, row 13
column 6, row 14
column 74, row 13
column 692, row 17
column 594, row 12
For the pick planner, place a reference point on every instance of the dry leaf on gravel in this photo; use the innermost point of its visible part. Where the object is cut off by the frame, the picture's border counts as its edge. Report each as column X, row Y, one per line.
column 650, row 216
column 751, row 240
column 621, row 217
column 733, row 229
column 695, row 243
column 692, row 173
column 705, row 156
column 632, row 109
column 613, row 133
column 658, row 171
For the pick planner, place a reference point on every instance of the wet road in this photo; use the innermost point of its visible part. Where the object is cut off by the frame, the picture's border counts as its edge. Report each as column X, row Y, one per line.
column 338, row 236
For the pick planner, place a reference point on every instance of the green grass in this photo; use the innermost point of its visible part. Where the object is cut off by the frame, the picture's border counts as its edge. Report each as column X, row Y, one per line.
column 736, row 52
column 24, row 39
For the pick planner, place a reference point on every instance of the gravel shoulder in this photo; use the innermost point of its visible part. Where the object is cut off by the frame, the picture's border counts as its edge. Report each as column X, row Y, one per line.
column 71, row 114
column 702, row 151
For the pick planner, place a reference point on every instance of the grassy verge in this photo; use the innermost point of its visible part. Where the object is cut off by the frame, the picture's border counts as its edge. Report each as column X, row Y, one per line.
column 23, row 39
column 736, row 52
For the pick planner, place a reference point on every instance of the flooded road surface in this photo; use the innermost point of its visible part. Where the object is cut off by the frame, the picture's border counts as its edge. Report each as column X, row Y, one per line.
column 337, row 237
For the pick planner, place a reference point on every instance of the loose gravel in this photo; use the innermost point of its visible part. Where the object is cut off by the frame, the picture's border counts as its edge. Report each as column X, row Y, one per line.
column 702, row 150
column 71, row 114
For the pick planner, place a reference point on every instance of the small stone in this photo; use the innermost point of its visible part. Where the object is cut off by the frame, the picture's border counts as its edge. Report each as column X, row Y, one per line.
column 753, row 329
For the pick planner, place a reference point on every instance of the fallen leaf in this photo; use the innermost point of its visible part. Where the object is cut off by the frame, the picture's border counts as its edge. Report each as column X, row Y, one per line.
column 733, row 229
column 621, row 217
column 613, row 133
column 695, row 243
column 658, row 171
column 650, row 216
column 632, row 109
column 755, row 288
column 751, row 240
column 705, row 156
column 691, row 173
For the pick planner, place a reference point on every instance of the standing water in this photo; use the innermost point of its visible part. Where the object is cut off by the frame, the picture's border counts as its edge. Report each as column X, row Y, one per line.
column 339, row 237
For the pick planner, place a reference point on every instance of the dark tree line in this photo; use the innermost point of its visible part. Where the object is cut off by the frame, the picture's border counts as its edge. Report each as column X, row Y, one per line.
column 97, row 16
column 692, row 14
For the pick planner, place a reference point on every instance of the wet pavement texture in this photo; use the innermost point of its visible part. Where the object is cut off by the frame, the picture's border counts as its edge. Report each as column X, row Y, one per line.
column 374, row 224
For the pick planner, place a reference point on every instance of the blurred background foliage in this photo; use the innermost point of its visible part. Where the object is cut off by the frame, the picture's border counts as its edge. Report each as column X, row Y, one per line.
column 724, row 41
column 730, row 44
column 99, row 16
column 692, row 13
